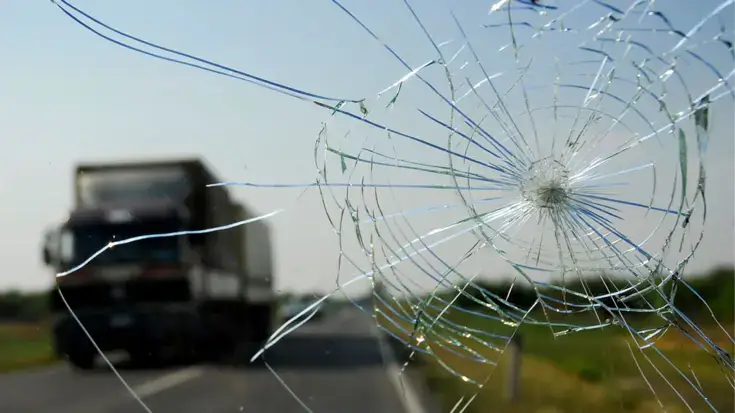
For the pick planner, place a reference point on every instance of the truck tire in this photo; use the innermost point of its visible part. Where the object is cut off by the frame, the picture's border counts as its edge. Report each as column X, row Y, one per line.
column 206, row 350
column 264, row 325
column 145, row 358
column 81, row 360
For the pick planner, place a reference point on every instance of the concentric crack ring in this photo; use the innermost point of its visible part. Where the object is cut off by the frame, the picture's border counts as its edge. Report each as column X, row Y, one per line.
column 558, row 140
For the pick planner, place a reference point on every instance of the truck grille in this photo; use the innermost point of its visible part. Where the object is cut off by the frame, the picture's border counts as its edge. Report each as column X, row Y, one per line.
column 99, row 295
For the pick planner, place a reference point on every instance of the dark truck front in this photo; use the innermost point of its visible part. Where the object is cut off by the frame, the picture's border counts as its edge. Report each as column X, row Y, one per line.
column 140, row 297
column 201, row 294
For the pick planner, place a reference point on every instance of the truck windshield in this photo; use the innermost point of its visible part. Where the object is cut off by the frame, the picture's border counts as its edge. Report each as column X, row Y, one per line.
column 123, row 186
column 90, row 238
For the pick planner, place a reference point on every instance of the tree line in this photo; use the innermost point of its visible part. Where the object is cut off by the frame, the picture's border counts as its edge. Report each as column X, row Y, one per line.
column 20, row 306
column 717, row 289
column 24, row 306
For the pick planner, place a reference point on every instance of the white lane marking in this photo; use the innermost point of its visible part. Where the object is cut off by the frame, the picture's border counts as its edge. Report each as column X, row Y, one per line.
column 34, row 373
column 58, row 367
column 166, row 382
column 114, row 358
column 406, row 392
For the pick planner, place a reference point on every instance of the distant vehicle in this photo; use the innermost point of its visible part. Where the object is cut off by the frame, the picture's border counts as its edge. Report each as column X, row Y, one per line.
column 197, row 294
column 295, row 307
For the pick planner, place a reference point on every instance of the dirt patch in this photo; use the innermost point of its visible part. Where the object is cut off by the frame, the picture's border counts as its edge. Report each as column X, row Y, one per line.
column 24, row 345
column 22, row 330
column 545, row 377
column 676, row 340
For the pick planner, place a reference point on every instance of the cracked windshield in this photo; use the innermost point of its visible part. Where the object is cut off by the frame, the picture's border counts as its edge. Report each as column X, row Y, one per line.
column 385, row 206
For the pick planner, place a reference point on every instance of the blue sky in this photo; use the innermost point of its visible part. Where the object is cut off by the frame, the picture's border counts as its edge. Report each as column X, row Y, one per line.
column 67, row 96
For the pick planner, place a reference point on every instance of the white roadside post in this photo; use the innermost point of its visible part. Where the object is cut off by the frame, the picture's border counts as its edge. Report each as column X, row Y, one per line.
column 514, row 370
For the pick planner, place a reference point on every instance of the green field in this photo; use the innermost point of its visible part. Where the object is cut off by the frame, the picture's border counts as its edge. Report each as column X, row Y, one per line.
column 589, row 371
column 24, row 345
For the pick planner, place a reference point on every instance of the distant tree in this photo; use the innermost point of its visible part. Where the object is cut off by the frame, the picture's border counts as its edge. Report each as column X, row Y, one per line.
column 379, row 287
column 717, row 289
column 19, row 306
column 11, row 304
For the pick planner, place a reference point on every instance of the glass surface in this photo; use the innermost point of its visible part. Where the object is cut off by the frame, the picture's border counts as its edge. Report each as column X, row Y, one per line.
column 88, row 239
column 114, row 186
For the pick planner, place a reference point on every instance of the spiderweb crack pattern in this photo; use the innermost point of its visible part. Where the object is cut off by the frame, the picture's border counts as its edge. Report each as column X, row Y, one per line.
column 571, row 138
column 560, row 149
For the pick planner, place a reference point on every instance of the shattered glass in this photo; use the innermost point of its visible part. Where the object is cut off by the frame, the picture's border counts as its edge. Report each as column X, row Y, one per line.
column 556, row 141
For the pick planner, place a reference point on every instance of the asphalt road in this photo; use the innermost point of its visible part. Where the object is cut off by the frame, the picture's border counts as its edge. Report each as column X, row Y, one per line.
column 333, row 365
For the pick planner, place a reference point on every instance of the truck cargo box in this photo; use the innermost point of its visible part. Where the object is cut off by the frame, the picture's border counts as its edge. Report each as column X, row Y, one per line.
column 202, row 295
column 256, row 259
column 178, row 180
column 182, row 181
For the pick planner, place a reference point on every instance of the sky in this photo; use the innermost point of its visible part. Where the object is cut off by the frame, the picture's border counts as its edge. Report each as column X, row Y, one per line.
column 68, row 96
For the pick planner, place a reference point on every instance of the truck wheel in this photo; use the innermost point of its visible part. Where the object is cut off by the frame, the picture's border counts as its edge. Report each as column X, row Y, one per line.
column 205, row 351
column 81, row 360
column 264, row 327
column 145, row 358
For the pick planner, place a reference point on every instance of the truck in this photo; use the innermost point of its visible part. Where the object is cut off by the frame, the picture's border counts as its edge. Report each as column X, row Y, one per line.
column 200, row 294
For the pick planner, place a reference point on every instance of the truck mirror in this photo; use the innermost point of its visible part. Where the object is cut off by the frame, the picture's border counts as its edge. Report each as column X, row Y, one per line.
column 49, row 246
column 46, row 255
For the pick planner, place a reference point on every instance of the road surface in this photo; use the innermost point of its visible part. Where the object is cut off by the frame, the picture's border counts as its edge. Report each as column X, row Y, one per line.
column 333, row 365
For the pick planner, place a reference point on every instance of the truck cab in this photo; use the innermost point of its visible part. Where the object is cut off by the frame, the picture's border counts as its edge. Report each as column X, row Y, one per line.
column 138, row 297
column 158, row 294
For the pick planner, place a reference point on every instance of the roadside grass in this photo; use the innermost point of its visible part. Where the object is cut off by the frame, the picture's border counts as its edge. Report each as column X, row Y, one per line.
column 24, row 345
column 583, row 371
